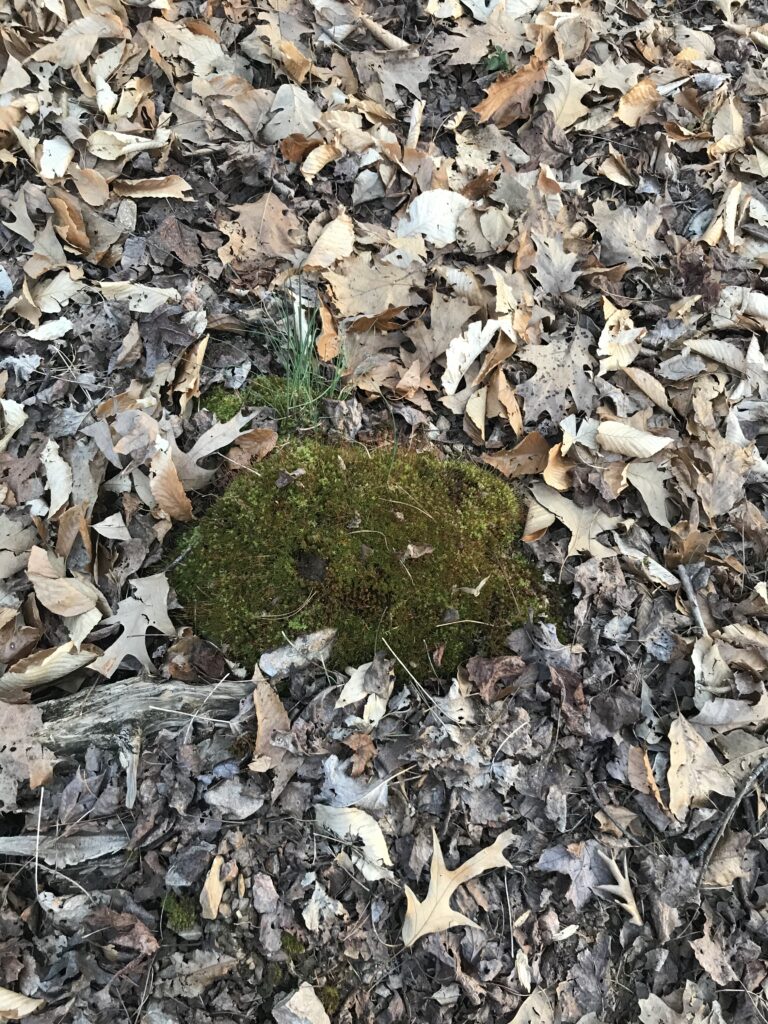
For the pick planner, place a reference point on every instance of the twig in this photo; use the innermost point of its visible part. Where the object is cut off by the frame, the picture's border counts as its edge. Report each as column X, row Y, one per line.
column 711, row 844
column 693, row 600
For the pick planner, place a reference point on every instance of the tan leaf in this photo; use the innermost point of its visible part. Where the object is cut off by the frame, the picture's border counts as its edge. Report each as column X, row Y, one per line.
column 641, row 100
column 435, row 215
column 141, row 298
column 528, row 458
column 170, row 187
column 263, row 230
column 167, row 489
column 649, row 479
column 58, row 476
column 45, row 667
column 252, row 446
column 109, row 145
column 135, row 615
column 92, row 187
column 509, row 98
column 694, row 771
column 319, row 158
column 464, row 350
column 727, row 130
column 585, row 524
column 650, row 386
column 187, row 382
column 622, row 888
column 557, row 472
column 213, row 890
column 335, row 242
column 536, row 1009
column 327, row 343
column 564, row 102
column 373, row 860
column 622, row 439
column 14, row 1006
column 366, row 287
column 435, row 913
column 12, row 418
column 271, row 718
column 60, row 595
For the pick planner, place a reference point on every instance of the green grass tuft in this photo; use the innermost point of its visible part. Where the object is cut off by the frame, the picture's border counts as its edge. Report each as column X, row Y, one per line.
column 289, row 328
column 331, row 548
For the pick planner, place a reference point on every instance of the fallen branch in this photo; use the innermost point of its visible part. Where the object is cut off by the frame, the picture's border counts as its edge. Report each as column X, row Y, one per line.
column 97, row 715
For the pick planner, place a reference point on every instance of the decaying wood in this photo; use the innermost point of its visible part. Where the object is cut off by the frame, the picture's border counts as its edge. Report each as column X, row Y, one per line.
column 97, row 715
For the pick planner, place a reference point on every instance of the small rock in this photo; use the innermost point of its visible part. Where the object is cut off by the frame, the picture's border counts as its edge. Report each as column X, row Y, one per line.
column 300, row 1007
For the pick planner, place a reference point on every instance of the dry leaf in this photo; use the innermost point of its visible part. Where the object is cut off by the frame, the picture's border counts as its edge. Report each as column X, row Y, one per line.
column 372, row 860
column 622, row 890
column 212, row 891
column 536, row 1009
column 327, row 343
column 434, row 215
column 335, row 242
column 585, row 524
column 509, row 98
column 271, row 719
column 641, row 100
column 694, row 771
column 434, row 913
column 170, row 187
column 167, row 489
column 12, row 419
column 464, row 350
column 623, row 439
column 14, row 1006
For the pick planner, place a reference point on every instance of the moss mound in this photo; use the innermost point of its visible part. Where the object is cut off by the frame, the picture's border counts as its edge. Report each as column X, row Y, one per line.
column 380, row 545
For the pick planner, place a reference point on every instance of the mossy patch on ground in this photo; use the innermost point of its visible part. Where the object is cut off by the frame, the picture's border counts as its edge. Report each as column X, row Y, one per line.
column 260, row 389
column 181, row 912
column 379, row 544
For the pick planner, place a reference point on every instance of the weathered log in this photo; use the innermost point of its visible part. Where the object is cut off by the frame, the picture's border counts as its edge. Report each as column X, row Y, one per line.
column 98, row 714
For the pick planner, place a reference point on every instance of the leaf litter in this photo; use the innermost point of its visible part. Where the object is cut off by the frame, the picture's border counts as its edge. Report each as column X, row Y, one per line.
column 536, row 234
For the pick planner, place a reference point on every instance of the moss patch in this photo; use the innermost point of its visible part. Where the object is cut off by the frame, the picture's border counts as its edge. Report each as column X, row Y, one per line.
column 181, row 912
column 404, row 547
column 258, row 390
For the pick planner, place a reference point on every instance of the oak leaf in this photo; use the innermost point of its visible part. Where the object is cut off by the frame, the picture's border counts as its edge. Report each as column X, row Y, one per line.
column 435, row 913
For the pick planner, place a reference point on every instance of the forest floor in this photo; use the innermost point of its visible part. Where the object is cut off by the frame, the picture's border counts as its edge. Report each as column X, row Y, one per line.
column 533, row 235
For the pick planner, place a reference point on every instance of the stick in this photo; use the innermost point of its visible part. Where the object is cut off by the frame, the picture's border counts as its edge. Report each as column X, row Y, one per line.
column 690, row 593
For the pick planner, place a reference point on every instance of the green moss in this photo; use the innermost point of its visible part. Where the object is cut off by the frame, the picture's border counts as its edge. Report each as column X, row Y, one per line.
column 330, row 997
column 334, row 546
column 291, row 945
column 181, row 912
column 258, row 390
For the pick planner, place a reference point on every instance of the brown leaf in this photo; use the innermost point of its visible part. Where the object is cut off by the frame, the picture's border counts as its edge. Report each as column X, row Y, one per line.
column 641, row 100
column 528, row 458
column 509, row 98
column 694, row 771
column 167, row 489
column 363, row 751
